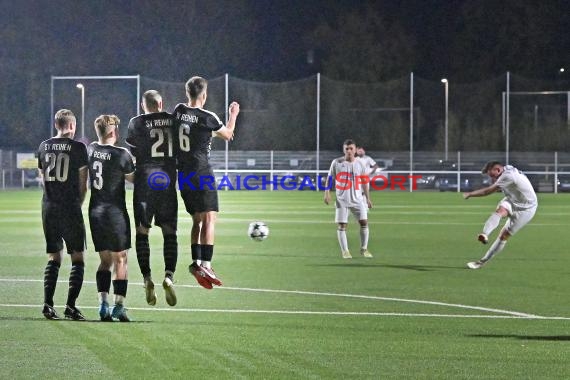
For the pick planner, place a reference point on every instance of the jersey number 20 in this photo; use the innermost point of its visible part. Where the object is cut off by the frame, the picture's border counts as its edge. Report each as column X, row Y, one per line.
column 60, row 163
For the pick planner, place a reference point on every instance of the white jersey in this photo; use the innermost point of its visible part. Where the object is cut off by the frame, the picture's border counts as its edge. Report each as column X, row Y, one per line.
column 368, row 162
column 346, row 171
column 517, row 188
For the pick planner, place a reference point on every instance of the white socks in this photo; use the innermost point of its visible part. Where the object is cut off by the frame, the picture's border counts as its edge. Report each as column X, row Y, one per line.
column 491, row 223
column 341, row 234
column 363, row 237
column 495, row 248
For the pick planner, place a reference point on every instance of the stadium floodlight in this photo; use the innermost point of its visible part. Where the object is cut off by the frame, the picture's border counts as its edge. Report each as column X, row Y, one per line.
column 446, row 83
column 80, row 80
column 81, row 87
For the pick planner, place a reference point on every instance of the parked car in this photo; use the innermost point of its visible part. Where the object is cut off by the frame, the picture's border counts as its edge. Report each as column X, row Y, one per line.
column 449, row 183
column 426, row 182
column 31, row 178
column 563, row 185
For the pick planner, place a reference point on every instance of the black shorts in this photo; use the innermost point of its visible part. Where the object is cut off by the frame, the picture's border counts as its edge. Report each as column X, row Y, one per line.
column 63, row 222
column 200, row 200
column 160, row 205
column 110, row 227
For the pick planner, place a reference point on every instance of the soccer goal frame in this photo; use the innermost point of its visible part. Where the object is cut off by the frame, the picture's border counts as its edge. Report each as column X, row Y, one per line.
column 91, row 77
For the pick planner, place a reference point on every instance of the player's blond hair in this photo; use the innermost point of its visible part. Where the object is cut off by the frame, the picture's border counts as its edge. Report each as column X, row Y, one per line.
column 103, row 125
column 63, row 117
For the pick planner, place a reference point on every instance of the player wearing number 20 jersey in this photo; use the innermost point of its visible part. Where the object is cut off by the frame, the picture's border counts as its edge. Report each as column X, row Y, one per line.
column 60, row 160
column 62, row 163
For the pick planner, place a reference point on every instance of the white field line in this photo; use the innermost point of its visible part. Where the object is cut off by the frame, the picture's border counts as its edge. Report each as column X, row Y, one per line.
column 506, row 313
column 303, row 312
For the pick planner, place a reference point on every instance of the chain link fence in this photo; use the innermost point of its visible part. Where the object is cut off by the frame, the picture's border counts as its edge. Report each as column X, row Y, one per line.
column 411, row 123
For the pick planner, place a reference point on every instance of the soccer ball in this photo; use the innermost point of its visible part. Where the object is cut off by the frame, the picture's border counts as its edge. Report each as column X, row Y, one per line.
column 258, row 231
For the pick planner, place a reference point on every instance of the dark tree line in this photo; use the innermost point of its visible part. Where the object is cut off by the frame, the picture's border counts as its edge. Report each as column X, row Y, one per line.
column 367, row 41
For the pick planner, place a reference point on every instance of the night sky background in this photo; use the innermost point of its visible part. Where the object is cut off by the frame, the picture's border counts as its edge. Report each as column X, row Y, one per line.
column 262, row 40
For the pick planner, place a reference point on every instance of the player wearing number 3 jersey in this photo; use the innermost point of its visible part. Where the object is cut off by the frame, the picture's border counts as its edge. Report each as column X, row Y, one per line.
column 152, row 141
column 62, row 163
column 109, row 166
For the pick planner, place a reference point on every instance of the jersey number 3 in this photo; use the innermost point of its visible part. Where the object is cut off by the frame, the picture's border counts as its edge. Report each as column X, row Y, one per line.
column 98, row 180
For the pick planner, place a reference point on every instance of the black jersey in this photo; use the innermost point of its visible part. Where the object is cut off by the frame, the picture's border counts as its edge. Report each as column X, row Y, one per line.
column 108, row 165
column 152, row 140
column 60, row 159
column 195, row 127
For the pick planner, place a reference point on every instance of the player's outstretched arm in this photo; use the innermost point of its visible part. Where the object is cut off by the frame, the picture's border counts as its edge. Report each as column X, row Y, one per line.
column 228, row 132
column 481, row 192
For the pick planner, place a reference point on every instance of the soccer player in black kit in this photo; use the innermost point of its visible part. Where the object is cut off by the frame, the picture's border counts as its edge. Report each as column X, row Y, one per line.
column 195, row 129
column 62, row 163
column 109, row 166
column 151, row 138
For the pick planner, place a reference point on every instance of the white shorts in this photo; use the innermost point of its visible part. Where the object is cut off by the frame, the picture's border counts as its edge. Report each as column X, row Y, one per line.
column 359, row 212
column 519, row 219
column 506, row 205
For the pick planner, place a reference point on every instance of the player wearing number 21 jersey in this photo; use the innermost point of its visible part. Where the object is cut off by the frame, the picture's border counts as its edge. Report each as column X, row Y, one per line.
column 152, row 140
column 62, row 163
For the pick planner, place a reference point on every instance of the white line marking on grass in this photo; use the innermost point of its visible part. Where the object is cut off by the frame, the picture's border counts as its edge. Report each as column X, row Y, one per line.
column 387, row 222
column 303, row 312
column 326, row 294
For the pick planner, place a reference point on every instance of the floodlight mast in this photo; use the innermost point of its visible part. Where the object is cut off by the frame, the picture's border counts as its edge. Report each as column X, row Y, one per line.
column 84, row 78
column 446, row 83
column 81, row 87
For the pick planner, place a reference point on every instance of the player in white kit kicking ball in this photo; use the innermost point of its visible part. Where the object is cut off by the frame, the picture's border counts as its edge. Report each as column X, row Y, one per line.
column 519, row 205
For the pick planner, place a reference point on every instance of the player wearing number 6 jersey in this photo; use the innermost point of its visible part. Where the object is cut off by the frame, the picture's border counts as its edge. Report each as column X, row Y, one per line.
column 62, row 163
column 109, row 166
column 196, row 126
column 152, row 141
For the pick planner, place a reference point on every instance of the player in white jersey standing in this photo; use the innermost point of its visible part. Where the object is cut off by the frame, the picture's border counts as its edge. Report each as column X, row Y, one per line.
column 369, row 163
column 519, row 205
column 351, row 195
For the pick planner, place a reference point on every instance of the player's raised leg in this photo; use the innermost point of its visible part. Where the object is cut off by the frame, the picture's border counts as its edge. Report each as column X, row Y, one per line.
column 207, row 233
column 143, row 257
column 504, row 209
column 170, row 253
column 196, row 249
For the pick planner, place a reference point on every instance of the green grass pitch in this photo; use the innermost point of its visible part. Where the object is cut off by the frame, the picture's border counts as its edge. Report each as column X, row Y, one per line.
column 291, row 308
